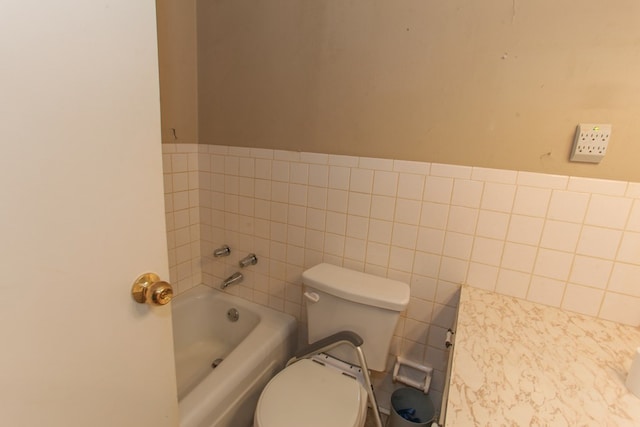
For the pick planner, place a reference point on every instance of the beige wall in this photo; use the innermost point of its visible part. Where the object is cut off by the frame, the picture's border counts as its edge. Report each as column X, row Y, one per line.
column 178, row 70
column 499, row 84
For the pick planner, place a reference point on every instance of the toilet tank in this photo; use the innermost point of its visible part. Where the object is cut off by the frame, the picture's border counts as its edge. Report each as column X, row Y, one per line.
column 339, row 299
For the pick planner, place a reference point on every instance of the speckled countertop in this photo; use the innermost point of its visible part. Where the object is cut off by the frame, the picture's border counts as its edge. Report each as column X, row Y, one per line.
column 517, row 363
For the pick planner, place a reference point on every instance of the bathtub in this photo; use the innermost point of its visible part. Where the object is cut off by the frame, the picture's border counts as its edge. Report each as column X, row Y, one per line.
column 246, row 353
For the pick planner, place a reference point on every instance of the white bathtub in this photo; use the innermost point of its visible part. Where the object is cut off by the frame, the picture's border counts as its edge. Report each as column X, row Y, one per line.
column 253, row 349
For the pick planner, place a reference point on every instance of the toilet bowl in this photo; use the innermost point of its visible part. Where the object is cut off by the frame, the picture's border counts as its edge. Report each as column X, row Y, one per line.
column 311, row 395
column 339, row 302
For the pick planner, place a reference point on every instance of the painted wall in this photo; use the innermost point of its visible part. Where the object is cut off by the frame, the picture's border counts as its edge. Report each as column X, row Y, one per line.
column 498, row 84
column 176, row 20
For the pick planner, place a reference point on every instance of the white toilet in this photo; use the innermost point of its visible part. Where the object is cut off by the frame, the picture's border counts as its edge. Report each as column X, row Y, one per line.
column 311, row 393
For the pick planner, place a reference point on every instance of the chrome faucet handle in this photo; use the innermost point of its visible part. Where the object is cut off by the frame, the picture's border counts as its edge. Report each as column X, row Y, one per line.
column 250, row 259
column 223, row 250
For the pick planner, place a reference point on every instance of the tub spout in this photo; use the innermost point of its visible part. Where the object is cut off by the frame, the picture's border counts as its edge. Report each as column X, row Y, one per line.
column 236, row 277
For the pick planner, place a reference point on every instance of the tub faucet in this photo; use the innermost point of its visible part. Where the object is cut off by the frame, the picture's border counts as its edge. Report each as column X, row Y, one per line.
column 236, row 277
column 223, row 250
column 250, row 259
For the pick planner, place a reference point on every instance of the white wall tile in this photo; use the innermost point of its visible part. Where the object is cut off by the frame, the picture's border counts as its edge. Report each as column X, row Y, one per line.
column 179, row 163
column 404, row 236
column 498, row 197
column 462, row 220
column 624, row 279
column 607, row 211
column 377, row 254
column 450, row 171
column 246, row 167
column 513, row 283
column 457, row 245
column 546, row 291
column 423, row 287
column 599, row 186
column 568, row 206
column 599, row 242
column 318, row 175
column 380, row 231
column 448, row 293
column 559, row 235
column 376, row 164
column 295, row 237
column 262, row 153
column 361, row 180
column 314, row 240
column 262, row 169
column 620, row 308
column 634, row 217
column 299, row 173
column 547, row 181
column 317, row 158
column 408, row 211
column 553, row 264
column 413, row 167
column 316, row 219
column 411, row 186
column 525, row 229
column 582, row 299
column 494, row 175
column 427, row 265
column 279, row 212
column 298, row 194
column 339, row 177
column 453, row 270
column 359, row 204
column 401, row 259
column 334, row 244
column 336, row 223
column 357, row 226
column 629, row 250
column 382, row 207
column 518, row 257
column 482, row 276
column 532, row 201
column 487, row 251
column 467, row 193
column 590, row 271
column 385, row 183
column 438, row 189
column 492, row 224
column 285, row 155
column 430, row 240
column 355, row 249
column 337, row 200
column 317, row 197
column 434, row 215
column 339, row 160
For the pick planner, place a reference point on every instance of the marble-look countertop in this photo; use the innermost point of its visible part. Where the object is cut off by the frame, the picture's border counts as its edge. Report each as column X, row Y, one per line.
column 518, row 363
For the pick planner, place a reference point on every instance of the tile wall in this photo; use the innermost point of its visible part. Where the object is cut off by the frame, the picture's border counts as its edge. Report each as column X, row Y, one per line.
column 563, row 241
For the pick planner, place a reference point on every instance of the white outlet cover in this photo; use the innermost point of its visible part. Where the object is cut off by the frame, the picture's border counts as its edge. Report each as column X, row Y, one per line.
column 590, row 143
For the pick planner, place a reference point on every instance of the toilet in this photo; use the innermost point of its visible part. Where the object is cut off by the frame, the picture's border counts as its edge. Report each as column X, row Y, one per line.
column 322, row 391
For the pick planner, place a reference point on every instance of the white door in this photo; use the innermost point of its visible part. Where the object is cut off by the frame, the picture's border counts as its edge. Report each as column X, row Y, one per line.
column 81, row 216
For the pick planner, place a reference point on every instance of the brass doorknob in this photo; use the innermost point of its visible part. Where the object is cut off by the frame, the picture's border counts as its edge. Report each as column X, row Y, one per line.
column 150, row 289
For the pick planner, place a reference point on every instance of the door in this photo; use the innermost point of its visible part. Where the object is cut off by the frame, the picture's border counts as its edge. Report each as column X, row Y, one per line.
column 81, row 216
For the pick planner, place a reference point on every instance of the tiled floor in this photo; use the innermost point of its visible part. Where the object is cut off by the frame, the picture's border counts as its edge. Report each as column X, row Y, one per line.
column 371, row 419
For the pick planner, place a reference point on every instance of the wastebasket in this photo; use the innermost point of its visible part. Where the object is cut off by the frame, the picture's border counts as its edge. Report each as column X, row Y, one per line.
column 410, row 408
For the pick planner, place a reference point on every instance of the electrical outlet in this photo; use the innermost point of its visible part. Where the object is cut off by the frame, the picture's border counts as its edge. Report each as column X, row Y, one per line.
column 590, row 143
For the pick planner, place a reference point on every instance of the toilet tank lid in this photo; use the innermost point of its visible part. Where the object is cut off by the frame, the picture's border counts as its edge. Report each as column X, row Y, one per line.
column 357, row 286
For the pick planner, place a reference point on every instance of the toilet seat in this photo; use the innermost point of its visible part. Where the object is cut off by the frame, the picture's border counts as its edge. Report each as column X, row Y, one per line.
column 308, row 394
